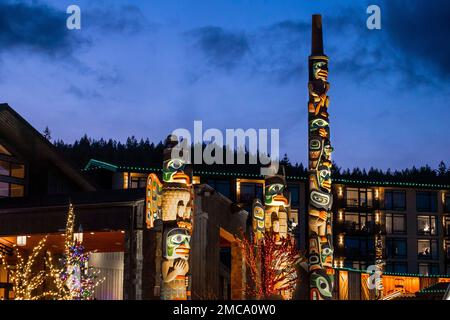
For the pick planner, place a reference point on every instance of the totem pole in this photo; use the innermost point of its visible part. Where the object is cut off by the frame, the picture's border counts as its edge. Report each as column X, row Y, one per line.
column 171, row 201
column 277, row 205
column 272, row 218
column 320, row 198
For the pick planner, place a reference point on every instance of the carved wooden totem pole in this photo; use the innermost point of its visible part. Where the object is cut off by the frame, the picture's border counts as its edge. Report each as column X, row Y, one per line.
column 171, row 201
column 320, row 198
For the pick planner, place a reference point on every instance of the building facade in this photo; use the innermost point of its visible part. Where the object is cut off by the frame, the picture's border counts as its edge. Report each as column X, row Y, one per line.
column 37, row 183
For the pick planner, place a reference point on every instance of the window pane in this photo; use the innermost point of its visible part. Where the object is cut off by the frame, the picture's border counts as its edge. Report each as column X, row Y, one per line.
column 399, row 200
column 362, row 199
column 4, row 189
column 352, row 197
column 388, row 200
column 295, row 191
column 399, row 224
column 424, row 268
column 223, row 187
column 142, row 182
column 369, row 197
column 447, row 227
column 447, row 203
column 426, row 201
column 4, row 168
column 400, row 248
column 424, row 249
column 251, row 191
column 17, row 190
column 388, row 223
column 434, row 249
column 17, row 170
column 433, row 201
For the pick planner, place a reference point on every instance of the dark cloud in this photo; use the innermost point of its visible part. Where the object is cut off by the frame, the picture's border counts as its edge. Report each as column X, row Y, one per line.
column 38, row 27
column 421, row 30
column 223, row 49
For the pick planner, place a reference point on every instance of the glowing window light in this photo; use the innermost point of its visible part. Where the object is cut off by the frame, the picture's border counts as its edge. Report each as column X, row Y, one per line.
column 21, row 241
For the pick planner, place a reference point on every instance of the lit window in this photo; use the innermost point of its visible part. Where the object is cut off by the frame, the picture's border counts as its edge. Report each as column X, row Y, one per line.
column 426, row 225
column 4, row 168
column 17, row 190
column 17, row 170
column 447, row 202
column 395, row 223
column 427, row 249
column 361, row 197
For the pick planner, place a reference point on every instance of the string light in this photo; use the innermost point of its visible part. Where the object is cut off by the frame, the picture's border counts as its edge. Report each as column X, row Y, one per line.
column 69, row 283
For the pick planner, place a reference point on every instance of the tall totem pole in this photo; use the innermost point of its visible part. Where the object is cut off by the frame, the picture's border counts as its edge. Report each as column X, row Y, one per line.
column 172, row 202
column 320, row 198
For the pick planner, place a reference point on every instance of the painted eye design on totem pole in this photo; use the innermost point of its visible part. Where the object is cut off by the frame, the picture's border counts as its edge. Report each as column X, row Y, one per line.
column 323, row 286
column 175, row 164
column 326, row 251
column 276, row 188
column 318, row 123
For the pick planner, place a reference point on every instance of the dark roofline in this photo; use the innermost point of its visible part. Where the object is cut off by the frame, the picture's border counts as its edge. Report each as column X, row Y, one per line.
column 93, row 165
column 52, row 153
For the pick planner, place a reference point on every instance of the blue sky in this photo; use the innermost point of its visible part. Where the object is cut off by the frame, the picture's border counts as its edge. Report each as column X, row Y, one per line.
column 145, row 68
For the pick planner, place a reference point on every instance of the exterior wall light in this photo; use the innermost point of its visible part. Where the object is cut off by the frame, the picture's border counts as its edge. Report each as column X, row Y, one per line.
column 21, row 241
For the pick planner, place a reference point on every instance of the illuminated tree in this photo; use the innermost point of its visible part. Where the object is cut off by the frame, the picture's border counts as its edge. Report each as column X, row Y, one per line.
column 76, row 280
column 26, row 281
column 272, row 264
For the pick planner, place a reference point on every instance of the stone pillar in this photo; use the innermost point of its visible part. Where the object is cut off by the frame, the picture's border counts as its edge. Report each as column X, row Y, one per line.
column 133, row 256
column 237, row 272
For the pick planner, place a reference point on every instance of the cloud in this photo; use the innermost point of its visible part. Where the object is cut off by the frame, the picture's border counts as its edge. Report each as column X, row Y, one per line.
column 38, row 27
column 420, row 30
column 126, row 19
column 84, row 94
column 222, row 49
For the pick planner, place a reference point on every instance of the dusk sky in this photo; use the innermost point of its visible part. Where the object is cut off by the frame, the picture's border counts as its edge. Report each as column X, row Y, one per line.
column 145, row 68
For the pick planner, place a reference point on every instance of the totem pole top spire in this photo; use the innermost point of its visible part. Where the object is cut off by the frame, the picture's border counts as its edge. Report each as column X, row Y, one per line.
column 317, row 39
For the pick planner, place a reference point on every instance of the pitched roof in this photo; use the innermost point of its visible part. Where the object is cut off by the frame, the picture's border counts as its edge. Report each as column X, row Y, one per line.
column 26, row 140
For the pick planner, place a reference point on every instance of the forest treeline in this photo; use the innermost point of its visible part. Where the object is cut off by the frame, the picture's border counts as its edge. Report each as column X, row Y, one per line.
column 143, row 153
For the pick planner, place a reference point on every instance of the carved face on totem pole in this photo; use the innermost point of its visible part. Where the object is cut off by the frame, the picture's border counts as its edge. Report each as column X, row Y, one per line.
column 276, row 193
column 277, row 203
column 320, row 70
column 177, row 244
